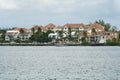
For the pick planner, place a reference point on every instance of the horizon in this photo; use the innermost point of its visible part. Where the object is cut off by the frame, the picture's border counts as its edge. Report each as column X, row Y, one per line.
column 27, row 13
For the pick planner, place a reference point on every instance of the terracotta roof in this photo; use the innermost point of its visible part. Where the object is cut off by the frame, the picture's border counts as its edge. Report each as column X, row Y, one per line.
column 24, row 29
column 50, row 26
column 37, row 26
column 96, row 26
column 75, row 25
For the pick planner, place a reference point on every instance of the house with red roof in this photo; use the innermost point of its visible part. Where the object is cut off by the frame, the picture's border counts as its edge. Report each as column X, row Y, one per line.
column 74, row 27
column 50, row 27
column 16, row 34
column 11, row 35
column 36, row 27
column 95, row 33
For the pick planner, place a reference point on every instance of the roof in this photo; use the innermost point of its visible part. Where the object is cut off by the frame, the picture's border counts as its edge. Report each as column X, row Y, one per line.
column 37, row 26
column 24, row 29
column 74, row 25
column 12, row 32
column 96, row 26
column 50, row 25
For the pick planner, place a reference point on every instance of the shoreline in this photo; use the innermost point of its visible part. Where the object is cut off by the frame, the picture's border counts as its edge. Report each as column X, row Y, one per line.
column 50, row 44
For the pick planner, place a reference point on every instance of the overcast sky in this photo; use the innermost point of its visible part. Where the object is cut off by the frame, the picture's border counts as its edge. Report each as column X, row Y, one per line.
column 26, row 13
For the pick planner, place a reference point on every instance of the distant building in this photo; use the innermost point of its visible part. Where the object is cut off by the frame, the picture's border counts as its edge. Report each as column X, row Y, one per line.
column 25, row 35
column 51, row 27
column 74, row 27
column 11, row 35
column 95, row 33
column 15, row 34
column 111, row 35
column 36, row 27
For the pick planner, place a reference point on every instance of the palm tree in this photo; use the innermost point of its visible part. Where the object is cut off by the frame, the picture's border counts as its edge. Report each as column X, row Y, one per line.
column 69, row 33
column 114, row 28
column 21, row 33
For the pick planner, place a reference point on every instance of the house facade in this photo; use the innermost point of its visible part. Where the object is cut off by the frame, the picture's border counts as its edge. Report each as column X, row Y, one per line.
column 11, row 35
column 74, row 27
column 16, row 34
column 95, row 33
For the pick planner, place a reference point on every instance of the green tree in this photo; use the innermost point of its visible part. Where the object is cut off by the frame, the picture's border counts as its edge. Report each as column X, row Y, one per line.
column 60, row 33
column 39, row 31
column 119, row 35
column 41, row 36
column 33, row 30
column 106, row 26
column 21, row 31
column 3, row 32
column 69, row 33
column 85, row 33
column 114, row 28
column 93, row 30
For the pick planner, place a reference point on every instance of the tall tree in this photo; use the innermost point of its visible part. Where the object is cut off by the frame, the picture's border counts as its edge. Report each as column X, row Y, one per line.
column 114, row 28
column 106, row 26
column 85, row 33
column 21, row 31
column 119, row 35
column 33, row 30
column 69, row 32
column 60, row 33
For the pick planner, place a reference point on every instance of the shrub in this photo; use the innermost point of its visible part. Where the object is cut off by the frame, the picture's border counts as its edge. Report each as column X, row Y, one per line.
column 112, row 43
column 85, row 43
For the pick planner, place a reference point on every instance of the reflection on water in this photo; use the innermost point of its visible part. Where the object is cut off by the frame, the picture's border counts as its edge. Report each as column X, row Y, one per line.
column 59, row 63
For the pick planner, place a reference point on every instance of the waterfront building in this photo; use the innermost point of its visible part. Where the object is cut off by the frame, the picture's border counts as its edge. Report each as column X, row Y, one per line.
column 11, row 35
column 15, row 34
column 93, row 33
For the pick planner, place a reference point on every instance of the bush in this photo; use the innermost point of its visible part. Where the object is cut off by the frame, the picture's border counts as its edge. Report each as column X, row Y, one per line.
column 112, row 43
column 85, row 43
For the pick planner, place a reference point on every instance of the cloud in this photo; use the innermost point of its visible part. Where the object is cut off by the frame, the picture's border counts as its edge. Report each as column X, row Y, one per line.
column 116, row 5
column 51, row 6
column 58, row 11
column 7, row 5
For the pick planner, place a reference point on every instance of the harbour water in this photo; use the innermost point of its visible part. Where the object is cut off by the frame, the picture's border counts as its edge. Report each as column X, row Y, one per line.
column 59, row 63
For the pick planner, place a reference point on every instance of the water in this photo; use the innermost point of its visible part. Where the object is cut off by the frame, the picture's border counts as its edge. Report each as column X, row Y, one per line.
column 59, row 63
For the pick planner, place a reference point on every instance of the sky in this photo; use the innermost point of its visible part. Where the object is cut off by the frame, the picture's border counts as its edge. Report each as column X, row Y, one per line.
column 26, row 13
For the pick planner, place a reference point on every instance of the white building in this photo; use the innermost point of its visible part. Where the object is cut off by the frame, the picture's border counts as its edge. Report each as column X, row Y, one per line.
column 15, row 34
column 97, row 35
column 11, row 35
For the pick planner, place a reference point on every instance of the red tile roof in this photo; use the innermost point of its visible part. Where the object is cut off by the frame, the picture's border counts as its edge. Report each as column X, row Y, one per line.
column 24, row 29
column 37, row 26
column 74, row 25
column 50, row 26
column 96, row 26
